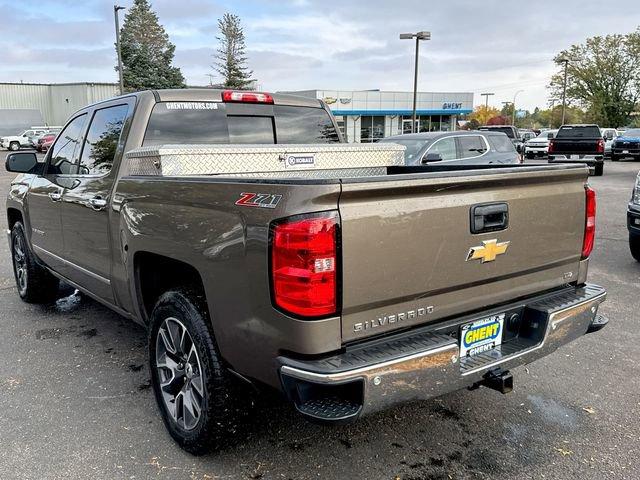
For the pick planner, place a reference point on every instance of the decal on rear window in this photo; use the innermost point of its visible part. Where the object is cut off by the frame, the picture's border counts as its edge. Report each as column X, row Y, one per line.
column 191, row 106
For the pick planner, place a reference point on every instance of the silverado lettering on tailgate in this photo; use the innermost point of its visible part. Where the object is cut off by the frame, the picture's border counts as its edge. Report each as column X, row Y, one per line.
column 383, row 320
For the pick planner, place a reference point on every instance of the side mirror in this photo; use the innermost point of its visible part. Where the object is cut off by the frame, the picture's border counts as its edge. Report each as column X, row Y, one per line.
column 609, row 136
column 431, row 157
column 21, row 162
column 549, row 135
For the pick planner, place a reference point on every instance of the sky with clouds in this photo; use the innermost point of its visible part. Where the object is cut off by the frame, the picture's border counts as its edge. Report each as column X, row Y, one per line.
column 495, row 46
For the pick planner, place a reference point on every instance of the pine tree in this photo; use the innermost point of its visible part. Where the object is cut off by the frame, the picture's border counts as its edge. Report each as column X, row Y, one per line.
column 147, row 52
column 231, row 58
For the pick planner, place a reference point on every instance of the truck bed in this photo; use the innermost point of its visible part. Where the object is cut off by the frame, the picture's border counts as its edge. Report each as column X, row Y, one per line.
column 405, row 237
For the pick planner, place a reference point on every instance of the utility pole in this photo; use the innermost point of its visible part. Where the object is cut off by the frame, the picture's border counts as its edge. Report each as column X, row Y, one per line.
column 564, row 87
column 418, row 36
column 486, row 98
column 116, row 8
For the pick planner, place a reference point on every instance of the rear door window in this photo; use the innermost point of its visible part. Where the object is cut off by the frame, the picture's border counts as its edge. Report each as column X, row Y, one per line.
column 445, row 147
column 102, row 140
column 471, row 146
column 66, row 150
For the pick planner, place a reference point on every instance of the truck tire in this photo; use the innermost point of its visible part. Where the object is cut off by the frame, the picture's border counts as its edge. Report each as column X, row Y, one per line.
column 199, row 402
column 599, row 169
column 530, row 156
column 34, row 282
column 634, row 246
column 13, row 146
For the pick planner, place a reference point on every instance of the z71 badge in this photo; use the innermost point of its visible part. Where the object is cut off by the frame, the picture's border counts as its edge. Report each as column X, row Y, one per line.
column 261, row 200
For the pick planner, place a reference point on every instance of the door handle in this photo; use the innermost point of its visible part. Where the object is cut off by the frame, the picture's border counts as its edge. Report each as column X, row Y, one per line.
column 55, row 196
column 489, row 217
column 98, row 203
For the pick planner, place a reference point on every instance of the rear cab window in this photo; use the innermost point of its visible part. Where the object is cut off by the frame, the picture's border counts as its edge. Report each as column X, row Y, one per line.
column 579, row 131
column 221, row 123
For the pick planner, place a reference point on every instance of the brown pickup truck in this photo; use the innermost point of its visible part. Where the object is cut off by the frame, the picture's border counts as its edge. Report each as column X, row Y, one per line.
column 258, row 248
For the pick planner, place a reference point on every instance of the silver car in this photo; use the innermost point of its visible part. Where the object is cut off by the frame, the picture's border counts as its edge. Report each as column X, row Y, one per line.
column 460, row 147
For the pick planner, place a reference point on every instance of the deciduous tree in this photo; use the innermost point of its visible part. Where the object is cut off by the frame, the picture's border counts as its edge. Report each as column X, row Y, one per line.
column 603, row 77
column 482, row 114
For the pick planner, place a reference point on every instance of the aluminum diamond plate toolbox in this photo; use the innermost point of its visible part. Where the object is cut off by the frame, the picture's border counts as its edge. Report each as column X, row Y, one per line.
column 263, row 160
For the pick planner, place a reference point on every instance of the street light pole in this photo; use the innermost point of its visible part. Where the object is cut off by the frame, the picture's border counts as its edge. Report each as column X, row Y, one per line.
column 513, row 115
column 116, row 8
column 418, row 36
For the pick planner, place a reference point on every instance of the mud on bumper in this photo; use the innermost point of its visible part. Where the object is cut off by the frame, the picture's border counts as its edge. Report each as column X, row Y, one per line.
column 425, row 363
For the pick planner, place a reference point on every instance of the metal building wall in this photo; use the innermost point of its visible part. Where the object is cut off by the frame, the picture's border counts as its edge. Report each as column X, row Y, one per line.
column 56, row 102
column 26, row 96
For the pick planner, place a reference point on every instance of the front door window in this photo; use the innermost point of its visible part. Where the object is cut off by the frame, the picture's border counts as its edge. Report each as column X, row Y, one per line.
column 66, row 150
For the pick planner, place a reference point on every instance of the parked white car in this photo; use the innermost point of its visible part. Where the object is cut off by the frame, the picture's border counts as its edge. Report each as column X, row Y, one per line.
column 539, row 146
column 15, row 142
column 609, row 135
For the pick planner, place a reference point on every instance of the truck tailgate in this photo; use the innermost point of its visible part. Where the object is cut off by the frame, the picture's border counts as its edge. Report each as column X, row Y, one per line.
column 407, row 243
column 579, row 146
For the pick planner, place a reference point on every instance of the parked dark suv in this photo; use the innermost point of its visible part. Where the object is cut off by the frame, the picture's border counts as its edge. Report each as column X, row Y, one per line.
column 456, row 147
column 626, row 145
column 510, row 131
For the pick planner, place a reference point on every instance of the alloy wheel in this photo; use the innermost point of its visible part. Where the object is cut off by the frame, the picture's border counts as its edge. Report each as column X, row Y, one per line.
column 20, row 262
column 179, row 373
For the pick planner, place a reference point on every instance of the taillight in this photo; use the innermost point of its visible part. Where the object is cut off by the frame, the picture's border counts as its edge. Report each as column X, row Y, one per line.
column 600, row 147
column 304, row 264
column 589, row 223
column 550, row 149
column 246, row 97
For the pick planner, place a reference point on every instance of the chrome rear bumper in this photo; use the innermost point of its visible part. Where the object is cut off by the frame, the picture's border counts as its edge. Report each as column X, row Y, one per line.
column 426, row 363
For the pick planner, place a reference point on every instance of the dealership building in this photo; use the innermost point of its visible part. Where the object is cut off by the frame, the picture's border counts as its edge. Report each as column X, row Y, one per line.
column 363, row 115
column 368, row 115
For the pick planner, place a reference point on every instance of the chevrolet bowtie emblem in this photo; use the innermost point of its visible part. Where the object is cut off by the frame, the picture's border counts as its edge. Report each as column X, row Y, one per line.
column 488, row 251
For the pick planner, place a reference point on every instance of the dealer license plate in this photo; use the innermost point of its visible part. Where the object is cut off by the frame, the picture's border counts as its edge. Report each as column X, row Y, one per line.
column 481, row 335
column 625, row 151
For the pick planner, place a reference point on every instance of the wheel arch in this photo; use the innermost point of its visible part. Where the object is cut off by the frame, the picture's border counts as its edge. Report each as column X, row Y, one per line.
column 155, row 274
column 14, row 215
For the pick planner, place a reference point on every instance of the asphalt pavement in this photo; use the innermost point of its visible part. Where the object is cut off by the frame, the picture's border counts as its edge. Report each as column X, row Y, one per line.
column 75, row 401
